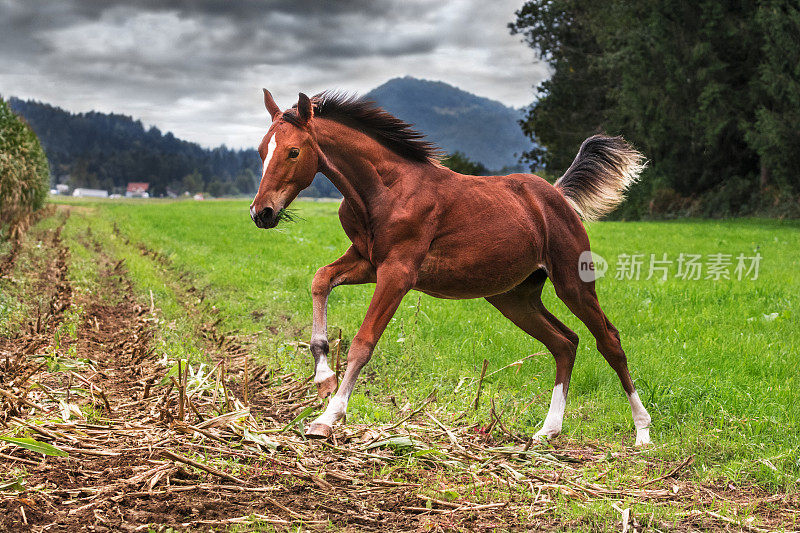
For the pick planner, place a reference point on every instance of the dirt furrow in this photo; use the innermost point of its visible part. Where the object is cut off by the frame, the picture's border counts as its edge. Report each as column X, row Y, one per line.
column 118, row 416
column 49, row 297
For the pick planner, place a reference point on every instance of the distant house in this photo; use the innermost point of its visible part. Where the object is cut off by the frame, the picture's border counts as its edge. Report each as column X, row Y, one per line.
column 90, row 193
column 137, row 190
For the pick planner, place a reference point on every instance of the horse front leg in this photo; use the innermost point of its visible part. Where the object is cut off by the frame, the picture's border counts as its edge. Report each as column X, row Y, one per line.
column 350, row 269
column 393, row 282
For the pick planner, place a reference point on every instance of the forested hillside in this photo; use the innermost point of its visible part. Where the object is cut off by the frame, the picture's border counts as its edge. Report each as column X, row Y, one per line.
column 107, row 151
column 485, row 130
column 708, row 90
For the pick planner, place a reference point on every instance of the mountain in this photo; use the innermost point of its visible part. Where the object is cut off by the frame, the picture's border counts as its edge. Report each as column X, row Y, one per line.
column 100, row 150
column 484, row 130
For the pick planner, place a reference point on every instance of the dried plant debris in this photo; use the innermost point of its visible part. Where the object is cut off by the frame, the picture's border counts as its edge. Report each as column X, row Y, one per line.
column 100, row 432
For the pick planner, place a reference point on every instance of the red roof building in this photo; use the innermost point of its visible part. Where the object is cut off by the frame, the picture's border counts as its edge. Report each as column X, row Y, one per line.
column 137, row 190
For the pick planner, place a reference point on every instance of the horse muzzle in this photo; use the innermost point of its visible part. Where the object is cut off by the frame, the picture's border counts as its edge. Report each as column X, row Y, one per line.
column 264, row 219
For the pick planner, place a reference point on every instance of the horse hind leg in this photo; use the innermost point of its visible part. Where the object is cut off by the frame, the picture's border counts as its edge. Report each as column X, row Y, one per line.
column 581, row 299
column 641, row 418
column 523, row 306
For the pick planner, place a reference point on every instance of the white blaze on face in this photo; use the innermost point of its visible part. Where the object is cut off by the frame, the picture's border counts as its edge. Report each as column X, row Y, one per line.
column 270, row 151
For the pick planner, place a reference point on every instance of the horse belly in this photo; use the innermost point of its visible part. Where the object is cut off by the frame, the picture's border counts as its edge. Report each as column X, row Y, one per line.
column 476, row 268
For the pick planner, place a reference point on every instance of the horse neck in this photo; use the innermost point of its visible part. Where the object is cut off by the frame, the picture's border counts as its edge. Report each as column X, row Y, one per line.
column 358, row 166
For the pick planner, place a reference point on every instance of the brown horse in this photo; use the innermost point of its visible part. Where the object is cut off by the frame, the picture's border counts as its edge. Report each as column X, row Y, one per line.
column 417, row 225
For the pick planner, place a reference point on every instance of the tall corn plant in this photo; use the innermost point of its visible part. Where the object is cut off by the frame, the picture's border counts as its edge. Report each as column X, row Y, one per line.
column 24, row 173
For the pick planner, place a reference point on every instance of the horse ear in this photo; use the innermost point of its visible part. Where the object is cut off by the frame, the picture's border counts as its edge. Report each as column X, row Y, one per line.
column 304, row 108
column 270, row 104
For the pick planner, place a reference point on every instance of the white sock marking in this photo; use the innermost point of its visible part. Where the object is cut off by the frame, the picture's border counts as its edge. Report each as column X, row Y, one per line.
column 337, row 407
column 323, row 371
column 555, row 416
column 641, row 419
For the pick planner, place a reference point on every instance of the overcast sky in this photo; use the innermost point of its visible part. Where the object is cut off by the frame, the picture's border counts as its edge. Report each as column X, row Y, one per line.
column 196, row 68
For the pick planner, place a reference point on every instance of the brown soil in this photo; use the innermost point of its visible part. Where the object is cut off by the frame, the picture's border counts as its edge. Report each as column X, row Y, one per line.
column 146, row 450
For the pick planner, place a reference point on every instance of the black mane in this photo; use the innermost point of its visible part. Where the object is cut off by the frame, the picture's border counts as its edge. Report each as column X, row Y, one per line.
column 367, row 117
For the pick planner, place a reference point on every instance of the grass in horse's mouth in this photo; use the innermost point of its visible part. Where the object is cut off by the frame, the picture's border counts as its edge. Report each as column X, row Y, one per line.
column 287, row 215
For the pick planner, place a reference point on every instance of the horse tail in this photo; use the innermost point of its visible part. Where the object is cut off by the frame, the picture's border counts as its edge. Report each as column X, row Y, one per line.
column 595, row 182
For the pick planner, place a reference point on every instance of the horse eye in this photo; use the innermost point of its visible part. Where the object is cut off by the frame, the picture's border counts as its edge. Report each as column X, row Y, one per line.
column 294, row 152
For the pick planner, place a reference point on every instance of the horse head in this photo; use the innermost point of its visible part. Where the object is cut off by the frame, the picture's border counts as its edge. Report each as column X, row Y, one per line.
column 290, row 160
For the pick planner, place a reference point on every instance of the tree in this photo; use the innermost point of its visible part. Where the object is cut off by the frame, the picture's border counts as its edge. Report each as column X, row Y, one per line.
column 775, row 134
column 460, row 163
column 683, row 91
column 193, row 183
column 571, row 104
column 708, row 90
column 246, row 182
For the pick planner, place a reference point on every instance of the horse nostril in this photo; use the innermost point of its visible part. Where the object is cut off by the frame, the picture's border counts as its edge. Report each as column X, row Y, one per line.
column 264, row 217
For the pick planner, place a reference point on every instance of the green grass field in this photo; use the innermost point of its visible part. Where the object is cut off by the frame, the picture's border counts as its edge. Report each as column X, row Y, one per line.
column 715, row 361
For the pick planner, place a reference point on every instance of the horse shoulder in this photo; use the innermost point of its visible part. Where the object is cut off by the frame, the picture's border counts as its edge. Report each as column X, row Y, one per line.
column 354, row 229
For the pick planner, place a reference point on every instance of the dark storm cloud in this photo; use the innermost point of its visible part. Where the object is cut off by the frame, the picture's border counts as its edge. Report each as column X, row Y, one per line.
column 196, row 67
column 311, row 24
column 209, row 37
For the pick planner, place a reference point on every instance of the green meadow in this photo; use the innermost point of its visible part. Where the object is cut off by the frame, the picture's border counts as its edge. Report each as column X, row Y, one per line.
column 715, row 360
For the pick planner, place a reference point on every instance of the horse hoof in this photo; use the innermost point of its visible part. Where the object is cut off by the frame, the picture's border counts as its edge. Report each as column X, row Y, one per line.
column 543, row 438
column 327, row 387
column 319, row 431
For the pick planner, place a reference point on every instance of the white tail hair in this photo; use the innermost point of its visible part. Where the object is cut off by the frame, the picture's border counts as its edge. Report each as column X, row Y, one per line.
column 596, row 181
